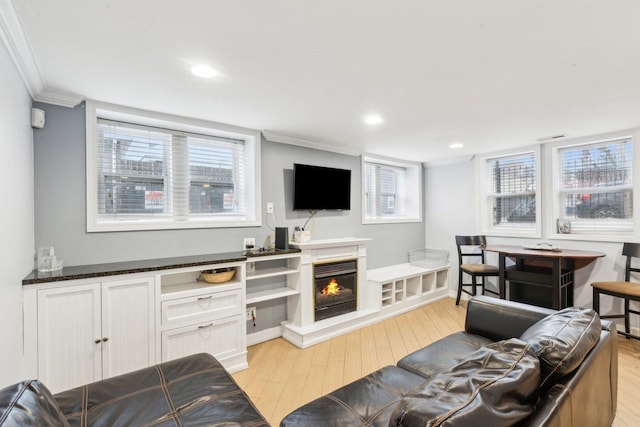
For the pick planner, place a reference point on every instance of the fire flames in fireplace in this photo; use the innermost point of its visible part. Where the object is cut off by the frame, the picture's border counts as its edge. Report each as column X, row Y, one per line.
column 332, row 288
column 335, row 288
column 333, row 293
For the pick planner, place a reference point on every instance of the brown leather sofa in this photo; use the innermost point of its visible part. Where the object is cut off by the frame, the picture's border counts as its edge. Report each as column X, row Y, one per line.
column 192, row 391
column 514, row 364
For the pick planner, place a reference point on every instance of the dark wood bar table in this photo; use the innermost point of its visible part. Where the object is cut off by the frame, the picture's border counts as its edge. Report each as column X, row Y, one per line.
column 540, row 277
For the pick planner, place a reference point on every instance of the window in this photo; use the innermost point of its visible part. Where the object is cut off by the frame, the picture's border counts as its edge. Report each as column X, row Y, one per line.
column 391, row 190
column 151, row 171
column 593, row 188
column 509, row 198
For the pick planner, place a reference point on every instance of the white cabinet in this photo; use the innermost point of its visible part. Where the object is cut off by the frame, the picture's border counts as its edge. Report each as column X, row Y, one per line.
column 196, row 316
column 220, row 337
column 89, row 331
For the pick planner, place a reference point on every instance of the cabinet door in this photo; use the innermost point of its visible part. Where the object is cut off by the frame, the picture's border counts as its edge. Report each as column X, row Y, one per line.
column 68, row 327
column 128, row 325
column 221, row 338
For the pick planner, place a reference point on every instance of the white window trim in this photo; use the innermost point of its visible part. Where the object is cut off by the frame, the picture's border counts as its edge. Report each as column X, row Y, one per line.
column 95, row 109
column 481, row 196
column 552, row 188
column 414, row 187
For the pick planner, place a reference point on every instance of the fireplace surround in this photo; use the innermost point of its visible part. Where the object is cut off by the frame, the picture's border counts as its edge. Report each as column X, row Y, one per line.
column 302, row 328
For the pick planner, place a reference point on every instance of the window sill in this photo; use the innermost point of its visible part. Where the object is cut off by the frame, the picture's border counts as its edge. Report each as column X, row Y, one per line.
column 391, row 221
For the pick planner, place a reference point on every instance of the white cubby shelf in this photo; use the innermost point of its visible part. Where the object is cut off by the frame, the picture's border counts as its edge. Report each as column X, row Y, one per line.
column 403, row 287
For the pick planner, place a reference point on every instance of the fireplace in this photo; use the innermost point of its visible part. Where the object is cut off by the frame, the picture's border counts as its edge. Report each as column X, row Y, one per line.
column 335, row 288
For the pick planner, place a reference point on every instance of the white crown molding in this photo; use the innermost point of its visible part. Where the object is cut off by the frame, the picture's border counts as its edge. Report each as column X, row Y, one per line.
column 58, row 97
column 308, row 143
column 19, row 48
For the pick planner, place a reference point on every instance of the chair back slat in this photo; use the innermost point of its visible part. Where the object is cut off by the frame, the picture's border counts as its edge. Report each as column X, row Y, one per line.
column 630, row 250
column 469, row 246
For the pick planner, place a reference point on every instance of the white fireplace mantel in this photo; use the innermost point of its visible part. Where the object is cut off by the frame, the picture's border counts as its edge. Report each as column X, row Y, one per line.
column 330, row 243
column 301, row 329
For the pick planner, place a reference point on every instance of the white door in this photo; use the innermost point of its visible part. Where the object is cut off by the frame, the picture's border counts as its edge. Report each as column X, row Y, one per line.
column 68, row 328
column 128, row 325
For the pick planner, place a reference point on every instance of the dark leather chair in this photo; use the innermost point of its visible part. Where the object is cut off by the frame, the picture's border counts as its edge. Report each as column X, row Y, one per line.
column 471, row 261
column 627, row 290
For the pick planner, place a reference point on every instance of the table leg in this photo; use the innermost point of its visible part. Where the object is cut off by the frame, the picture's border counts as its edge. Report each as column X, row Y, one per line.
column 570, row 286
column 502, row 287
column 556, row 286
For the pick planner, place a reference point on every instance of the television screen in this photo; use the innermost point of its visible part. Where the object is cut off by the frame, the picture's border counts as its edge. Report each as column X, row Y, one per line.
column 320, row 188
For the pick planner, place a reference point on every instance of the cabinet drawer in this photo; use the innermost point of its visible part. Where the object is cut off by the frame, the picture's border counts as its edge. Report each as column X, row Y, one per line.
column 221, row 338
column 211, row 306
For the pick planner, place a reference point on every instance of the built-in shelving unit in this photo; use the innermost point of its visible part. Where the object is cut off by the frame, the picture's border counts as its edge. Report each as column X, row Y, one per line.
column 405, row 286
column 283, row 269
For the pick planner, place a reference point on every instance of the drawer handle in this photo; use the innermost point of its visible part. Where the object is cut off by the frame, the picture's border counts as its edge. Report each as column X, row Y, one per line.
column 201, row 298
column 205, row 326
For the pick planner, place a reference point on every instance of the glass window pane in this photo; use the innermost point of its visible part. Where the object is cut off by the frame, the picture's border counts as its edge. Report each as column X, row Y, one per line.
column 596, row 181
column 512, row 190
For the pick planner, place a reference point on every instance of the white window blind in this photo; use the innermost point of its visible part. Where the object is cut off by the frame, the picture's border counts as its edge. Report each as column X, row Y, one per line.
column 512, row 190
column 143, row 176
column 385, row 190
column 134, row 167
column 390, row 191
column 595, row 191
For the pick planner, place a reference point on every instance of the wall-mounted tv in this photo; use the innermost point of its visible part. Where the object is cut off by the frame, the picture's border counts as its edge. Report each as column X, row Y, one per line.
column 321, row 188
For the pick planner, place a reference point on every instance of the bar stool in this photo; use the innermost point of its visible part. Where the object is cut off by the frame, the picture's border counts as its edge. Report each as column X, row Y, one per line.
column 469, row 248
column 627, row 290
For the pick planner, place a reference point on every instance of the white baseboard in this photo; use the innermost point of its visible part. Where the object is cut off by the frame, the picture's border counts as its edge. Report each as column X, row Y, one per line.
column 264, row 335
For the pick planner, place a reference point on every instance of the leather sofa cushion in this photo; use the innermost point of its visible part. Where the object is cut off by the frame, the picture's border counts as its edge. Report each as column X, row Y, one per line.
column 367, row 401
column 194, row 390
column 29, row 403
column 562, row 340
column 442, row 354
column 492, row 386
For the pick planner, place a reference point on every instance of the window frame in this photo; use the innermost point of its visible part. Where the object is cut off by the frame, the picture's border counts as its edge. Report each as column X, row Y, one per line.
column 252, row 216
column 483, row 199
column 552, row 199
column 413, row 186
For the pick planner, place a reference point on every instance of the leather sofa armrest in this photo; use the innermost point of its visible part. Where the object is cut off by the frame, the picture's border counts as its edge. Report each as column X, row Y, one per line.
column 498, row 319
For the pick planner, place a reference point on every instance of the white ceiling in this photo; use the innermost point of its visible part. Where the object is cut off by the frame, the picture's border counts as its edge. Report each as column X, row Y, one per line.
column 490, row 74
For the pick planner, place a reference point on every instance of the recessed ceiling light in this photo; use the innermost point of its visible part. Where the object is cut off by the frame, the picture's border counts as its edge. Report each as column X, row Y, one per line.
column 373, row 119
column 204, row 71
column 456, row 145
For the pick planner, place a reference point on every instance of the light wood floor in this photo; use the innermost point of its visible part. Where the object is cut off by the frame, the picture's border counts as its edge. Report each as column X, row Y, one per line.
column 282, row 377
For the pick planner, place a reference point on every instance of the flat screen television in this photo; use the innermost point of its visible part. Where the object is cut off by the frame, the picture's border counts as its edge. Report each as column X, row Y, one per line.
column 321, row 188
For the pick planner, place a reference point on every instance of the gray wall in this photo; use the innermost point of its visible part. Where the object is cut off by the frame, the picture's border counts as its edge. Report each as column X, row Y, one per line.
column 60, row 198
column 16, row 216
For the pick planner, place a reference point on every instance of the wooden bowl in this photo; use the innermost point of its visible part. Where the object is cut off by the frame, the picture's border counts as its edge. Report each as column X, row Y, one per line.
column 213, row 276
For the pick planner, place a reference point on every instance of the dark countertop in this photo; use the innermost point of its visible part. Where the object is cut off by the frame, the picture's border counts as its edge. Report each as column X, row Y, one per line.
column 129, row 267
